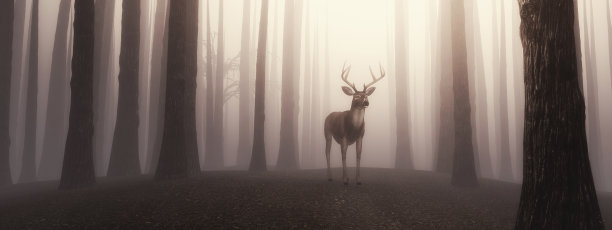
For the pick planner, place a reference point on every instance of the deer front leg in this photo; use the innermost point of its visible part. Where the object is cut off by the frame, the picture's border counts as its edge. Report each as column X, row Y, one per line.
column 343, row 148
column 328, row 142
column 358, row 177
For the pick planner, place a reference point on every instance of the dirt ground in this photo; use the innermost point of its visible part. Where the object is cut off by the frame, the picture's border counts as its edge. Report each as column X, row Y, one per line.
column 388, row 199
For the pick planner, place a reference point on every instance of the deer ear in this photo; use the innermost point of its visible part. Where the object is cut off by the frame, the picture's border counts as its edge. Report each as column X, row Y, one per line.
column 369, row 91
column 347, row 91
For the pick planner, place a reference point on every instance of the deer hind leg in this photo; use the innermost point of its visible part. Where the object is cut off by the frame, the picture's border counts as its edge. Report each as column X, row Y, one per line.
column 358, row 148
column 328, row 142
column 343, row 148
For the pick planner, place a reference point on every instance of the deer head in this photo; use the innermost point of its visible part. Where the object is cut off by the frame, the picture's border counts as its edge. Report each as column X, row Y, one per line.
column 360, row 98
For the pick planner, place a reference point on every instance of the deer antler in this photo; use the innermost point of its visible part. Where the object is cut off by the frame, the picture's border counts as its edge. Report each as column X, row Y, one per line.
column 374, row 79
column 345, row 74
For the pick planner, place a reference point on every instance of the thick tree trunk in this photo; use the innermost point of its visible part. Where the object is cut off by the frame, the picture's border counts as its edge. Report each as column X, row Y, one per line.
column 28, row 169
column 403, row 151
column 6, row 54
column 258, row 158
column 506, row 159
column 558, row 190
column 191, row 73
column 78, row 168
column 287, row 150
column 174, row 160
column 446, row 137
column 214, row 154
column 158, row 84
column 464, row 172
column 54, row 138
column 244, row 141
column 124, row 151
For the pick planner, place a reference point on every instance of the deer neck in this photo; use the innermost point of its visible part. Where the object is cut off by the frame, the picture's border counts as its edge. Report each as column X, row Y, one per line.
column 356, row 116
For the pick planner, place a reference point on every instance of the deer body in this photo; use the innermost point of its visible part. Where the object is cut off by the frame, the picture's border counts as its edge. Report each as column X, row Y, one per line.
column 348, row 127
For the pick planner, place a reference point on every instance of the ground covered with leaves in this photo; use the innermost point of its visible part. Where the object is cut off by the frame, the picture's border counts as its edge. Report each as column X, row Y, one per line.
column 388, row 199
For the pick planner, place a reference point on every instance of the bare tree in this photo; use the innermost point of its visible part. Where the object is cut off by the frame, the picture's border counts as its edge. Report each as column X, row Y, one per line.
column 558, row 190
column 124, row 151
column 244, row 142
column 78, row 168
column 464, row 172
column 28, row 169
column 403, row 151
column 258, row 158
column 6, row 53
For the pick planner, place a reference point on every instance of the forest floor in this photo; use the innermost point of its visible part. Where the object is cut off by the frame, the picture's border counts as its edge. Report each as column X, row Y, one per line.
column 388, row 199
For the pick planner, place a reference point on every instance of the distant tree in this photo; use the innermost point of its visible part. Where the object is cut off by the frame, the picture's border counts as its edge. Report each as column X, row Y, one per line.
column 307, row 121
column 56, row 122
column 446, row 137
column 6, row 53
column 609, row 20
column 124, row 151
column 558, row 190
column 258, row 159
column 174, row 160
column 211, row 137
column 78, row 168
column 158, row 83
column 403, row 151
column 506, row 159
column 28, row 169
column 244, row 138
column 464, row 172
column 287, row 153
column 594, row 131
column 214, row 145
column 317, row 122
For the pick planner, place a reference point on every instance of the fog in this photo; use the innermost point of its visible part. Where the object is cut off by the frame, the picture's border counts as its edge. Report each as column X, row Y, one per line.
column 357, row 32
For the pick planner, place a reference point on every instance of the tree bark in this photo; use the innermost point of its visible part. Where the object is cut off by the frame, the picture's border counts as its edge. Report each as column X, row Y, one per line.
column 6, row 54
column 464, row 172
column 288, row 136
column 124, row 151
column 258, row 159
column 28, row 169
column 78, row 168
column 191, row 73
column 244, row 141
column 403, row 151
column 558, row 190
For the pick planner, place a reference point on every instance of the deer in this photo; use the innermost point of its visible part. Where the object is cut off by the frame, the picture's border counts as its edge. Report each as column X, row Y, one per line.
column 348, row 127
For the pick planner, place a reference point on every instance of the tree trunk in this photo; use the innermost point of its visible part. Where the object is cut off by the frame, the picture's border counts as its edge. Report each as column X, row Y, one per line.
column 54, row 138
column 124, row 151
column 558, row 190
column 258, row 158
column 287, row 149
column 306, row 159
column 316, row 123
column 191, row 73
column 214, row 153
column 403, row 151
column 506, row 159
column 464, row 172
column 446, row 137
column 244, row 142
column 28, row 169
column 78, row 168
column 158, row 84
column 592, row 106
column 609, row 20
column 6, row 54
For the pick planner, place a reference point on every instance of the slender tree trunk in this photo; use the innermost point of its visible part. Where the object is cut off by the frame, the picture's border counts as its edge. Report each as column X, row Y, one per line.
column 6, row 53
column 609, row 20
column 308, row 88
column 506, row 159
column 54, row 138
column 403, row 157
column 211, row 137
column 558, row 190
column 28, row 169
column 214, row 157
column 175, row 160
column 124, row 152
column 446, row 137
column 258, row 159
column 244, row 142
column 287, row 149
column 158, row 78
column 464, row 172
column 316, row 123
column 78, row 168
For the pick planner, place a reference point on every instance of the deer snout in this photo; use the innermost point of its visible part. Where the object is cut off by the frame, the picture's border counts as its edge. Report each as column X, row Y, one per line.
column 366, row 104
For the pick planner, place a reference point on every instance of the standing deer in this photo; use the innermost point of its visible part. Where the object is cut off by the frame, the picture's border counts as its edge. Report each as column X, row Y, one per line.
column 348, row 127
